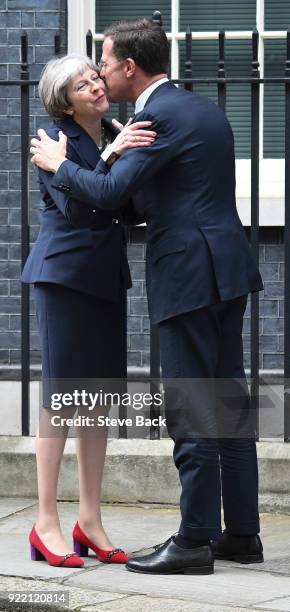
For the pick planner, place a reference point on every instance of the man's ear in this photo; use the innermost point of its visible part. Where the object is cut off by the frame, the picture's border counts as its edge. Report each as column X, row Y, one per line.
column 130, row 67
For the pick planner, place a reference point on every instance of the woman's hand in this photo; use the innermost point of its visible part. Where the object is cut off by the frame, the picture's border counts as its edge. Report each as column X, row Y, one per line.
column 132, row 135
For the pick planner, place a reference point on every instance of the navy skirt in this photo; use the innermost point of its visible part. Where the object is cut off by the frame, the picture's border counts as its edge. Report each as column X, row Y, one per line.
column 81, row 336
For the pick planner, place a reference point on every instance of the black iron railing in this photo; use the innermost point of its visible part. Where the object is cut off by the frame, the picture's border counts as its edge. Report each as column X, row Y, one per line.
column 189, row 82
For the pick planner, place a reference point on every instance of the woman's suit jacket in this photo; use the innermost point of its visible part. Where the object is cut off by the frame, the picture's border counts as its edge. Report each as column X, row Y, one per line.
column 78, row 247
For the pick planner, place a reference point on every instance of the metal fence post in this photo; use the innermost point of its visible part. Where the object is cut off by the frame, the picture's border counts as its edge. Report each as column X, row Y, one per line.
column 57, row 44
column 154, row 376
column 188, row 59
column 157, row 18
column 123, row 112
column 221, row 72
column 89, row 44
column 287, row 251
column 255, row 138
column 25, row 344
column 154, row 338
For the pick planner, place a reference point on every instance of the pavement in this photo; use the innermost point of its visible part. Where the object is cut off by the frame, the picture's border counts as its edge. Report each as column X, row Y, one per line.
column 99, row 587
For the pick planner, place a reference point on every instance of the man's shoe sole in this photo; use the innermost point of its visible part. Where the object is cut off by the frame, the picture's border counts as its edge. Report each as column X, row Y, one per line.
column 199, row 571
column 245, row 559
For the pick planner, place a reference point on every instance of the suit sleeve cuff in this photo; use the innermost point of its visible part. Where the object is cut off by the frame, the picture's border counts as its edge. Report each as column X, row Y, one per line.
column 58, row 181
column 107, row 152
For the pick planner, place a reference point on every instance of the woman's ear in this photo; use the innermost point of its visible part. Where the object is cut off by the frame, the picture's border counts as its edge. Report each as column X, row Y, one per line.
column 69, row 111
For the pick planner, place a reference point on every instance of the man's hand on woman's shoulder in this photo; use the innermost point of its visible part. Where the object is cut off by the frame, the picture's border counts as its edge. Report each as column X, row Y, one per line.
column 47, row 153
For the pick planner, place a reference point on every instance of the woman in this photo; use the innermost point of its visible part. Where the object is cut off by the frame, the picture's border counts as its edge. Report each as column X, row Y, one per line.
column 80, row 274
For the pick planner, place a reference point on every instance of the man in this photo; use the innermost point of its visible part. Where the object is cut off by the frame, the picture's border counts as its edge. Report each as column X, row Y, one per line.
column 199, row 272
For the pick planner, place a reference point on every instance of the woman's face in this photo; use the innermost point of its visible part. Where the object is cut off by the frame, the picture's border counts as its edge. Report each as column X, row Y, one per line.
column 86, row 94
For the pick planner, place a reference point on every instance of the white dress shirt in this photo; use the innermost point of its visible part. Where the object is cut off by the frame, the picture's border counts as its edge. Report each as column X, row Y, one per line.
column 142, row 99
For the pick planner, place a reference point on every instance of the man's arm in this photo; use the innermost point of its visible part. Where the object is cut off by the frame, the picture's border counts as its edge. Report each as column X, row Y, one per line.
column 109, row 189
column 75, row 213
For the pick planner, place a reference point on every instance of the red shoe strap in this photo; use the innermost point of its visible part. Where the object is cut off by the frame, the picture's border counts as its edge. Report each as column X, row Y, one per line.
column 111, row 553
column 63, row 560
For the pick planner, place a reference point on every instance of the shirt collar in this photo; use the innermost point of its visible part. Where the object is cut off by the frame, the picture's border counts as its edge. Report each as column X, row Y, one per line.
column 142, row 99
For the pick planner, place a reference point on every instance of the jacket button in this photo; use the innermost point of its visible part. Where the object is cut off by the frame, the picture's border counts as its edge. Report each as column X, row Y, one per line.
column 94, row 210
column 115, row 221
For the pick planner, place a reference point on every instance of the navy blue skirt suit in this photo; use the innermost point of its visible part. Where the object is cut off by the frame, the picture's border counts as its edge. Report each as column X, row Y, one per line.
column 79, row 269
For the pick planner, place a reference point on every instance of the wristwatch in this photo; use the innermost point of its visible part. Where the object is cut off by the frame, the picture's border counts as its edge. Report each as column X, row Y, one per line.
column 112, row 158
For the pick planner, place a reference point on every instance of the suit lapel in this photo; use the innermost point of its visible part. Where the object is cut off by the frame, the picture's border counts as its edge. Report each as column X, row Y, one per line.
column 80, row 141
column 88, row 150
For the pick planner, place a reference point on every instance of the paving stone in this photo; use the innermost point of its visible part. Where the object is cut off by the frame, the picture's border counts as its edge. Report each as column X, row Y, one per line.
column 143, row 603
column 281, row 604
column 11, row 505
column 228, row 585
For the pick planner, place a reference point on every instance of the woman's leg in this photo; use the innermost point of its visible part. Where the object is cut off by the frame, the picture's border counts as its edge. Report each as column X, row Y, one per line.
column 49, row 442
column 49, row 452
column 91, row 452
column 109, row 322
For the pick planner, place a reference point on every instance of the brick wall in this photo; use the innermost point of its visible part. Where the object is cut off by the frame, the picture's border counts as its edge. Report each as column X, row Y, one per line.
column 138, row 320
column 271, row 304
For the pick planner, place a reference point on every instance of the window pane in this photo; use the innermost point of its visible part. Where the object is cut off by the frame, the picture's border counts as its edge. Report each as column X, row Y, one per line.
column 277, row 14
column 274, row 100
column 208, row 15
column 238, row 64
column 108, row 11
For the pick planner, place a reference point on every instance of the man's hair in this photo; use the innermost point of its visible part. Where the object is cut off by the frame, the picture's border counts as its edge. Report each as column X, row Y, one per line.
column 143, row 41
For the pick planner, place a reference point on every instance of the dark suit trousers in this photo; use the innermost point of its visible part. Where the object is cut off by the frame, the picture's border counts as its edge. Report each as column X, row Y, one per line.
column 217, row 453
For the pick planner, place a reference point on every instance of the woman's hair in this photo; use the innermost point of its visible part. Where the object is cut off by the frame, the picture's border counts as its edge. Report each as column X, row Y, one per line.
column 54, row 79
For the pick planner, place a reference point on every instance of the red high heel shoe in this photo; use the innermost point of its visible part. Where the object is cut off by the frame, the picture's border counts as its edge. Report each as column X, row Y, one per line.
column 39, row 552
column 82, row 544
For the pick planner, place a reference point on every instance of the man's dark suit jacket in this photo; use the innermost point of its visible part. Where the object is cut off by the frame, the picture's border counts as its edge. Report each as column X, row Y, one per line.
column 78, row 247
column 184, row 185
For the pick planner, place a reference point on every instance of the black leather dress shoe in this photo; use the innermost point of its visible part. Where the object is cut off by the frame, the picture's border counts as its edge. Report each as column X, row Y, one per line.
column 171, row 559
column 242, row 549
